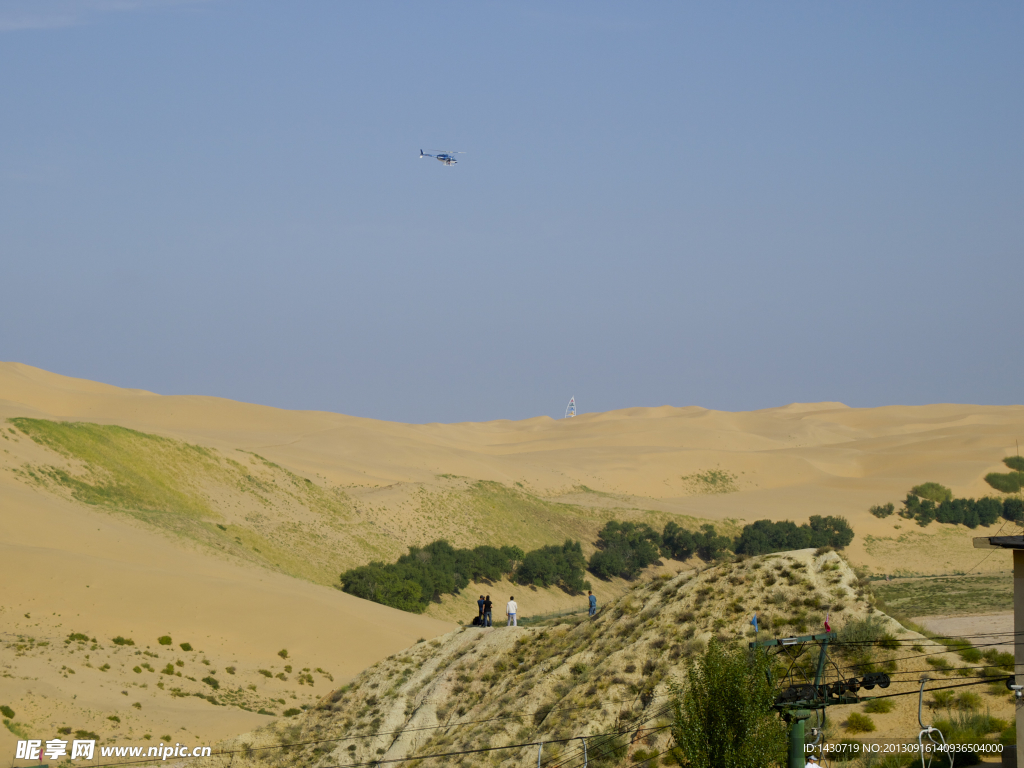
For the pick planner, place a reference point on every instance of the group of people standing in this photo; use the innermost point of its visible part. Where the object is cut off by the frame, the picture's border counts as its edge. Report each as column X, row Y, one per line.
column 485, row 606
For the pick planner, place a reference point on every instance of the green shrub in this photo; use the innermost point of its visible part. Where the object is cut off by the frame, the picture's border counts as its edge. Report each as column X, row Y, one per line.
column 186, row 647
column 266, row 673
column 1005, row 482
column 968, row 701
column 229, row 670
column 932, row 492
column 879, row 706
column 942, row 699
column 1008, row 736
column 168, row 670
column 123, row 641
column 970, row 654
column 858, row 723
column 889, row 642
column 968, row 728
column 114, row 719
column 940, row 663
column 999, row 658
column 283, row 653
column 861, row 631
column 1015, row 462
column 78, row 637
column 882, row 510
column 291, row 712
column 7, row 712
column 165, row 640
column 212, row 682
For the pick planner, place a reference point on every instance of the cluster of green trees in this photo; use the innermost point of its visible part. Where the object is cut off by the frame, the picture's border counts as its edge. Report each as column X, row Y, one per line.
column 426, row 573
column 939, row 505
column 625, row 549
column 554, row 566
column 764, row 536
column 681, row 544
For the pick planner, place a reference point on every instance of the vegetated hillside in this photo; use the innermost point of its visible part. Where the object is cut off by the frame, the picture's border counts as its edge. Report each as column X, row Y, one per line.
column 246, row 506
column 482, row 688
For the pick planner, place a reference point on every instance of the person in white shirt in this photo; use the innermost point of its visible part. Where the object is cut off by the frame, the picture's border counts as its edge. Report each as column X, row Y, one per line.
column 812, row 762
column 510, row 610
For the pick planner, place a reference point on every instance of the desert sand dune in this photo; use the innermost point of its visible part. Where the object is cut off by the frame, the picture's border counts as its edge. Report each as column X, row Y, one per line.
column 71, row 567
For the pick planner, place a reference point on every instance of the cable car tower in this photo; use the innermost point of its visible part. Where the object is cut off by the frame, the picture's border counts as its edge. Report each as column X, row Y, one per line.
column 570, row 409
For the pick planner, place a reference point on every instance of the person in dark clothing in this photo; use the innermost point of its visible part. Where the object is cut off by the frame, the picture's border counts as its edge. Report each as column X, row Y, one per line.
column 480, row 608
column 488, row 605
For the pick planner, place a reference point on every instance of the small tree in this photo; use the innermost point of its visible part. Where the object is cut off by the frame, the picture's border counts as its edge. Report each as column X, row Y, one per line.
column 723, row 717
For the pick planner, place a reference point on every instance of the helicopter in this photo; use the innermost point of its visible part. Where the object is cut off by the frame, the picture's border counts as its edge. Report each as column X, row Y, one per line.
column 445, row 156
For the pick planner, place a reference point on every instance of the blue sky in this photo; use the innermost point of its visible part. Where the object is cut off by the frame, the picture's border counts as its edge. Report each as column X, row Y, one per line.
column 732, row 205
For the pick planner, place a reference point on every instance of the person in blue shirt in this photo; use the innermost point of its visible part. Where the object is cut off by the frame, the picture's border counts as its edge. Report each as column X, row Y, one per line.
column 480, row 608
column 593, row 602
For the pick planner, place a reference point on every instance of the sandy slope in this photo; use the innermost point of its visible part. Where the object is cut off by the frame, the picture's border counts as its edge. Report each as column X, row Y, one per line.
column 788, row 462
column 76, row 568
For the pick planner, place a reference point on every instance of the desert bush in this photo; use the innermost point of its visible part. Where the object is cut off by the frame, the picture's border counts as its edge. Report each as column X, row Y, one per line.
column 940, row 663
column 968, row 701
column 1005, row 482
column 858, row 723
column 164, row 640
column 879, row 706
column 888, row 641
column 882, row 510
column 970, row 654
column 933, row 492
column 7, row 712
column 123, row 641
column 185, row 647
column 968, row 728
column 862, row 631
